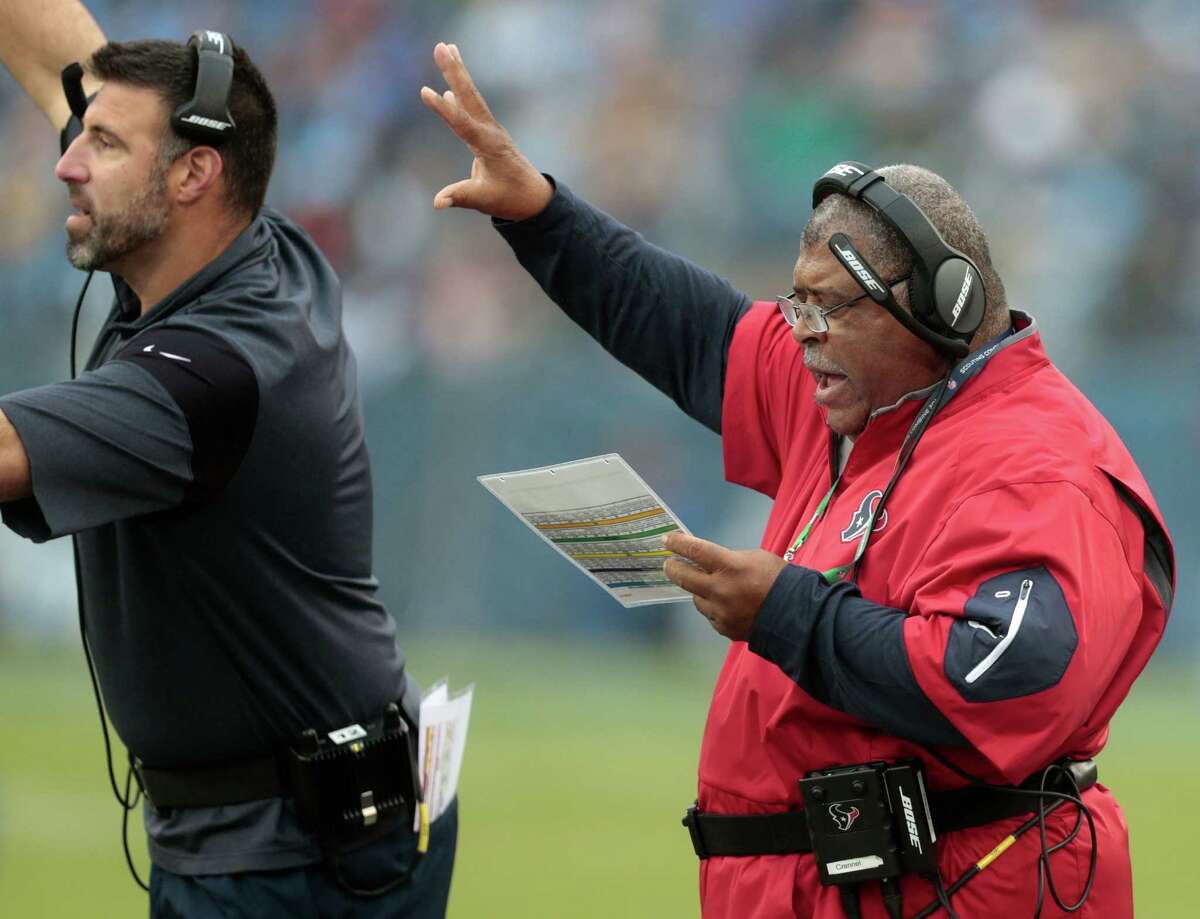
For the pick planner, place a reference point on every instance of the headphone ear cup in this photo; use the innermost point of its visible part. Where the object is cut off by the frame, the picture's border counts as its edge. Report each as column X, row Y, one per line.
column 958, row 298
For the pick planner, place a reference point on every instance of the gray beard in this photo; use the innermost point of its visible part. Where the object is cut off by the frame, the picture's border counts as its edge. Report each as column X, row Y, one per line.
column 113, row 236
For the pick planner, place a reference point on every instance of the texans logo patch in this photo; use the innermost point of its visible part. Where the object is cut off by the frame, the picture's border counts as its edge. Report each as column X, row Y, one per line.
column 858, row 523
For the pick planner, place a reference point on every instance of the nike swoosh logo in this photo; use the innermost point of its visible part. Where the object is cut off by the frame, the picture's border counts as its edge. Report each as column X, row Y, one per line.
column 149, row 349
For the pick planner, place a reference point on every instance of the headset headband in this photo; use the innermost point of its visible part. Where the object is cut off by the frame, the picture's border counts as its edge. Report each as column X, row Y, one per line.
column 205, row 117
column 858, row 181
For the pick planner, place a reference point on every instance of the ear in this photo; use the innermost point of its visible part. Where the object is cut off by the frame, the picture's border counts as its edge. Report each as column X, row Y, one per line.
column 195, row 173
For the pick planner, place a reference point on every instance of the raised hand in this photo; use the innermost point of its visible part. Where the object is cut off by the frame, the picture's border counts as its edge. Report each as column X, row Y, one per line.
column 503, row 183
column 37, row 40
column 728, row 585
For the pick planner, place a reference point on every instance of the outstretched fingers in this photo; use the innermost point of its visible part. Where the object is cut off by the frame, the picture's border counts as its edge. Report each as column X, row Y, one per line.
column 447, row 107
column 461, row 106
column 503, row 183
column 454, row 70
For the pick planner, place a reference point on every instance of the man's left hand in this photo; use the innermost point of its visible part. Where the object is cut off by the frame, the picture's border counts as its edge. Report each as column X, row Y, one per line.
column 729, row 585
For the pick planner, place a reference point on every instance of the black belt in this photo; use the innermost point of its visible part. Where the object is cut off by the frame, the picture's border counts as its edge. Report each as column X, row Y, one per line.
column 212, row 786
column 787, row 833
column 235, row 782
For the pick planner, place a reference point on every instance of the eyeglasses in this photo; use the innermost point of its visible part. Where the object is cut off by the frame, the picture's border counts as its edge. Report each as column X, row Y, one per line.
column 815, row 318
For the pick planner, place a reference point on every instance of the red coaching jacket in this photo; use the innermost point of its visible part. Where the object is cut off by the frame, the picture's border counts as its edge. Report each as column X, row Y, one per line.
column 1015, row 584
column 1013, row 589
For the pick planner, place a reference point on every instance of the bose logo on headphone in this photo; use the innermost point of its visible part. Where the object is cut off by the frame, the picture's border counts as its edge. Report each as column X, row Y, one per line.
column 859, row 269
column 962, row 297
column 206, row 122
column 844, row 169
column 217, row 39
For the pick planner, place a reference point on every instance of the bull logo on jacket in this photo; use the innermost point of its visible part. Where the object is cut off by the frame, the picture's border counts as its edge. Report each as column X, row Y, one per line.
column 858, row 523
column 844, row 815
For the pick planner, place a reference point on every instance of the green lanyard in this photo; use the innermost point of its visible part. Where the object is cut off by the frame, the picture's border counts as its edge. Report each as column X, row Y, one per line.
column 833, row 575
column 946, row 389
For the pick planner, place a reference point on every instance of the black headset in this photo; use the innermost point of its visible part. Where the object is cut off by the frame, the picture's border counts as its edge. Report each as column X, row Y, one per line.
column 948, row 299
column 205, row 117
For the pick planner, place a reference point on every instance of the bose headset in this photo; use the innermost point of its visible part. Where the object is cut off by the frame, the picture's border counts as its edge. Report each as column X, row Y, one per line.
column 204, row 119
column 948, row 299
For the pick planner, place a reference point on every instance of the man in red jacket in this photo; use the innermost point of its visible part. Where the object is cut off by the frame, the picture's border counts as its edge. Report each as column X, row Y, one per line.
column 963, row 566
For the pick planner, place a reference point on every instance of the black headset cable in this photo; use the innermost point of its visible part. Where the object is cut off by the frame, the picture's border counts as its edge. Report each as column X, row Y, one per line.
column 943, row 898
column 127, row 801
column 75, row 318
column 850, row 900
column 1045, row 878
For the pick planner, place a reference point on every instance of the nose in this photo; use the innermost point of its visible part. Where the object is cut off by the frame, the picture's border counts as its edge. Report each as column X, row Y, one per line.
column 803, row 334
column 71, row 167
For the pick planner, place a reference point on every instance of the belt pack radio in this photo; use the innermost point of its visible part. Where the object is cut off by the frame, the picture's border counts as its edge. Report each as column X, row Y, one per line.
column 869, row 822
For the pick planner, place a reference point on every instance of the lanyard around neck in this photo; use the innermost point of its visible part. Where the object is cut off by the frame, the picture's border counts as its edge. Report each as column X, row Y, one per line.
column 802, row 537
column 945, row 390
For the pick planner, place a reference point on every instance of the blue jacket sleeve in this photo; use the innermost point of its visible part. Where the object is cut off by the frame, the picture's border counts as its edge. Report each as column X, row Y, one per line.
column 847, row 653
column 660, row 315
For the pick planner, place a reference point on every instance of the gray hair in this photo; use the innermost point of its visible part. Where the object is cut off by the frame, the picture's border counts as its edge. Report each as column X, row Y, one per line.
column 171, row 148
column 889, row 255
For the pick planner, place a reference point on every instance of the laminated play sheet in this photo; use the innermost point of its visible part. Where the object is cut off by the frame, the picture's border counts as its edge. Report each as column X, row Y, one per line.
column 602, row 518
column 442, row 743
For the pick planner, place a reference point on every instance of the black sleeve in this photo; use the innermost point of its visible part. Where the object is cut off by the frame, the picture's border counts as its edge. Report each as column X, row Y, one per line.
column 166, row 422
column 657, row 313
column 848, row 653
column 215, row 388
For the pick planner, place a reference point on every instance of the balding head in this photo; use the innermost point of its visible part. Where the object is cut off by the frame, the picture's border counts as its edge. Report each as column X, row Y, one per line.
column 890, row 257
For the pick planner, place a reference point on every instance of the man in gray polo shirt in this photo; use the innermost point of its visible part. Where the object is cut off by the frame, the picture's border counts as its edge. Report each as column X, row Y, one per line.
column 210, row 462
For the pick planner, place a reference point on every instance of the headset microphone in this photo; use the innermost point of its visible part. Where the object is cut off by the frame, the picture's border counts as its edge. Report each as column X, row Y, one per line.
column 72, row 82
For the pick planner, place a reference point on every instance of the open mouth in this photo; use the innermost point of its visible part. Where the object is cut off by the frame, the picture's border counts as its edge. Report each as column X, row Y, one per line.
column 827, row 380
column 831, row 388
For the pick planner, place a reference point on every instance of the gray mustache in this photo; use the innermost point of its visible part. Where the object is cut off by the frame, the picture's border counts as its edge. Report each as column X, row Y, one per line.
column 817, row 365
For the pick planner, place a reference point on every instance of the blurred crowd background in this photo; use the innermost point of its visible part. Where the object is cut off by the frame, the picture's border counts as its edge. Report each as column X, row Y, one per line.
column 1071, row 127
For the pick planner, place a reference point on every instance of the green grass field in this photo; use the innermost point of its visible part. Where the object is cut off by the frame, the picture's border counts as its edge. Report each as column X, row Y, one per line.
column 580, row 762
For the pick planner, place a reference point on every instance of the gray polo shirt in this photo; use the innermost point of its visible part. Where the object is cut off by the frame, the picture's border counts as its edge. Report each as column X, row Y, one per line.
column 211, row 462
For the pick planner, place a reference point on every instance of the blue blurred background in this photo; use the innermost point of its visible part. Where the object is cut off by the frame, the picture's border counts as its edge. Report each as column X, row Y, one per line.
column 1071, row 127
